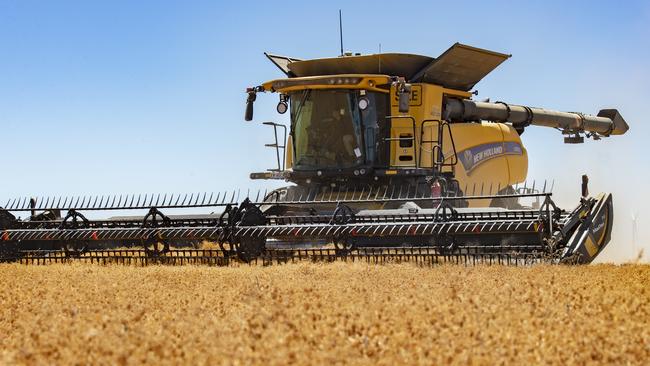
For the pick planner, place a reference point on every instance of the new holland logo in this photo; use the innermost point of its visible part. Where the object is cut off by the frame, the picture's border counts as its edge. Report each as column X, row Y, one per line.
column 468, row 155
column 475, row 156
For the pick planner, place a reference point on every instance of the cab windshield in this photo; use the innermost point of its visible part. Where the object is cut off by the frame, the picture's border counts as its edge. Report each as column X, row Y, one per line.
column 329, row 130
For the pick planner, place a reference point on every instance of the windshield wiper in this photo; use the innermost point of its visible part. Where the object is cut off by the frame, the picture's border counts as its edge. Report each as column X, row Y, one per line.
column 305, row 95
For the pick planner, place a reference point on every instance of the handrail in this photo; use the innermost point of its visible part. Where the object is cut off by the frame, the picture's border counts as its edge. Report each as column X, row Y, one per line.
column 277, row 145
column 437, row 153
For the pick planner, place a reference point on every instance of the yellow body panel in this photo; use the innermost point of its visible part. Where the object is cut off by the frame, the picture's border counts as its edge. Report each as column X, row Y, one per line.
column 366, row 82
column 490, row 156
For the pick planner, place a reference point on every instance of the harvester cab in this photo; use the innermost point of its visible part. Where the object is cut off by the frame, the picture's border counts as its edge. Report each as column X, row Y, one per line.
column 409, row 121
column 389, row 157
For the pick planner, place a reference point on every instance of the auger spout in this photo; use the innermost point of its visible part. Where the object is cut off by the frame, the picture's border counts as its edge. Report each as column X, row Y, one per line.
column 607, row 122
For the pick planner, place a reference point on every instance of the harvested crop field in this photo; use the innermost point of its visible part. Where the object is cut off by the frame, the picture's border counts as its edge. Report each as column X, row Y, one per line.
column 329, row 313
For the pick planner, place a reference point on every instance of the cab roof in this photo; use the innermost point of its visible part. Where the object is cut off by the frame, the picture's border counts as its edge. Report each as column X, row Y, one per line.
column 460, row 67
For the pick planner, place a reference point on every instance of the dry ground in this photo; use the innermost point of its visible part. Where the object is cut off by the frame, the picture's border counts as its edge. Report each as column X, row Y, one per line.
column 336, row 313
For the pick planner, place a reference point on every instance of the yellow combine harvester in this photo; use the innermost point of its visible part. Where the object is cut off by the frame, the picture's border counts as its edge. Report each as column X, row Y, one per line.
column 386, row 152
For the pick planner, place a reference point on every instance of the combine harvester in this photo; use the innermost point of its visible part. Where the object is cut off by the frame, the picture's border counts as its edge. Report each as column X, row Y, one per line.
column 390, row 158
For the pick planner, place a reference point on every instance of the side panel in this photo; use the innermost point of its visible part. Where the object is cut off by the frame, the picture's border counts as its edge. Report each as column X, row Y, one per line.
column 593, row 234
column 405, row 153
column 490, row 158
column 425, row 104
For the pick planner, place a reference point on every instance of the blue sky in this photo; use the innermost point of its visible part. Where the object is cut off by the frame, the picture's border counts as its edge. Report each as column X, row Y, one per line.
column 148, row 96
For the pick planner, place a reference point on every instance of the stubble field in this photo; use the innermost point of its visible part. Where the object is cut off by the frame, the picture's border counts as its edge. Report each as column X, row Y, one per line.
column 334, row 313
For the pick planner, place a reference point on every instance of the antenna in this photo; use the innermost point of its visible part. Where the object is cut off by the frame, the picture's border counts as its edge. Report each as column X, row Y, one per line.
column 341, row 30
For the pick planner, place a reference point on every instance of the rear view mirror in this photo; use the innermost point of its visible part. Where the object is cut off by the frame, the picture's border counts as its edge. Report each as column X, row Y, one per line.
column 404, row 98
column 248, row 116
column 403, row 103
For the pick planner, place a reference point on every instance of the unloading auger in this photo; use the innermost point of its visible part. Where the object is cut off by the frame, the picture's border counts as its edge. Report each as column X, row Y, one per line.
column 390, row 159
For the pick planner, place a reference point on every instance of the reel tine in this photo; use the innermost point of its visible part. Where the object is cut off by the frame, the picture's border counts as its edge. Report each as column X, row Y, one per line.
column 544, row 188
column 533, row 188
column 210, row 199
column 498, row 189
column 552, row 185
column 184, row 199
column 76, row 203
column 47, row 202
column 20, row 203
column 55, row 201
column 60, row 202
column 205, row 194
column 482, row 187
